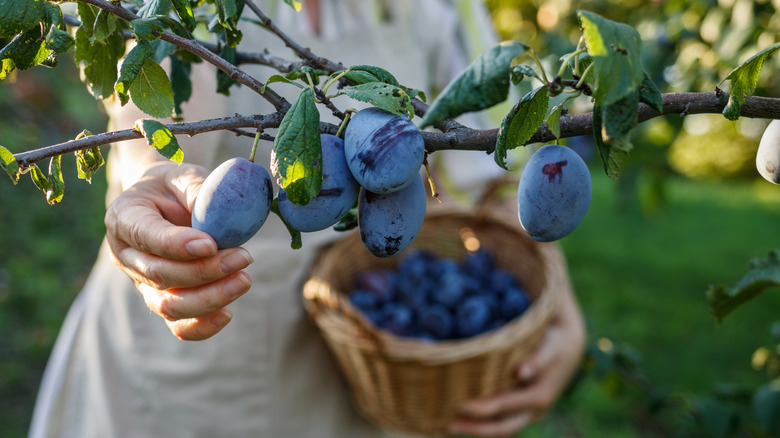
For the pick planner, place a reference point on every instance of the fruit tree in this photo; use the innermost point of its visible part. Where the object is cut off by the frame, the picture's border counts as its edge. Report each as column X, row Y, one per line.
column 605, row 67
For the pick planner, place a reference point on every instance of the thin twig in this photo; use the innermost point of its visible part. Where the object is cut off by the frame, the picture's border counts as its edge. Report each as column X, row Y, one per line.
column 301, row 51
column 196, row 48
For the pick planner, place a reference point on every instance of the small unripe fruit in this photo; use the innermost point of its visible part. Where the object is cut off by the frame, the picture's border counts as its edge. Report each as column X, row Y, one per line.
column 768, row 155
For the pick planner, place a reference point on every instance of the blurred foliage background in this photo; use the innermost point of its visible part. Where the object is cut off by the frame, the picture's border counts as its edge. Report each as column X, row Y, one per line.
column 687, row 211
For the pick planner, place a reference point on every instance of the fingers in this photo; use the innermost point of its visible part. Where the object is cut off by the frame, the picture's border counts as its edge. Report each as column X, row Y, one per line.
column 138, row 223
column 197, row 329
column 195, row 302
column 161, row 273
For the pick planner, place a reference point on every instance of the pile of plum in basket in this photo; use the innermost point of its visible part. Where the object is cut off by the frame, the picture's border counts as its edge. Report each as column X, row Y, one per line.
column 438, row 298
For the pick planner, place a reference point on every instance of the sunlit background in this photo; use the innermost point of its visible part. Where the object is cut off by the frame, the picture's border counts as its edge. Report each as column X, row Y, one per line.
column 688, row 211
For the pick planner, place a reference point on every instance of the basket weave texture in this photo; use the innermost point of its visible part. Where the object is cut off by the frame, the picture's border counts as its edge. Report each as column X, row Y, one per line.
column 413, row 386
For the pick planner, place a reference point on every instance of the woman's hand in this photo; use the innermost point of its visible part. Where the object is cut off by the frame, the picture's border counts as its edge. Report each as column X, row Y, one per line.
column 541, row 379
column 178, row 270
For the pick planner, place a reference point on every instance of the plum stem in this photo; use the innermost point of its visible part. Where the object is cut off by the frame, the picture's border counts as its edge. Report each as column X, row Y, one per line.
column 258, row 134
column 344, row 122
column 434, row 192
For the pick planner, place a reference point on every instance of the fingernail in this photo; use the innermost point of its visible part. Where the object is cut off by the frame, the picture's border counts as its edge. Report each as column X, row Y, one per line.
column 237, row 285
column 235, row 261
column 201, row 248
column 221, row 318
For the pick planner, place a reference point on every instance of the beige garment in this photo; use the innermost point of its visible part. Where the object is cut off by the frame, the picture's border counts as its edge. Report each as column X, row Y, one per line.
column 116, row 370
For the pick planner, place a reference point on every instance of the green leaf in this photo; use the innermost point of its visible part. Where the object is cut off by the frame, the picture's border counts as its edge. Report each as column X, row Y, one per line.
column 151, row 90
column 59, row 40
column 147, row 29
column 180, row 83
column 614, row 48
column 619, row 117
column 97, row 62
column 483, row 84
column 348, row 222
column 279, row 78
column 744, row 80
column 227, row 11
column 161, row 138
column 6, row 66
column 611, row 155
column 184, row 10
column 305, row 72
column 152, row 8
column 385, row 96
column 521, row 122
column 39, row 179
column 762, row 274
column 131, row 67
column 105, row 25
column 360, row 77
column 296, row 4
column 650, row 94
column 380, row 74
column 766, row 407
column 520, row 71
column 295, row 235
column 296, row 159
column 88, row 160
column 554, row 120
column 174, row 26
column 56, row 189
column 9, row 165
column 26, row 50
column 224, row 82
column 20, row 15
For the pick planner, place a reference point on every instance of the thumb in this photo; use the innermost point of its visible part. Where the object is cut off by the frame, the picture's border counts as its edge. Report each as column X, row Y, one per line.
column 185, row 183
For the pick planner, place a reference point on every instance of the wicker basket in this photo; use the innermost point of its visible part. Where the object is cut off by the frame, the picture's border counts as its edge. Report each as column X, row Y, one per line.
column 412, row 386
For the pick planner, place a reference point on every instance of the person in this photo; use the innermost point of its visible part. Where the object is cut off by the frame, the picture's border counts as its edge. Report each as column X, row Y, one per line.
column 120, row 367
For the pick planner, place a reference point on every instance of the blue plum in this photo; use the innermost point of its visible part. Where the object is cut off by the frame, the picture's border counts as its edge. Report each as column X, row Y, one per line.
column 384, row 151
column 388, row 223
column 337, row 195
column 554, row 193
column 436, row 320
column 233, row 202
column 473, row 316
column 514, row 302
column 768, row 155
column 397, row 318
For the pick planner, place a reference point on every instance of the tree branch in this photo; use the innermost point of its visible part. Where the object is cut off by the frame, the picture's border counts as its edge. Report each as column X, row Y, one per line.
column 196, row 48
column 25, row 159
column 303, row 52
column 573, row 125
column 459, row 138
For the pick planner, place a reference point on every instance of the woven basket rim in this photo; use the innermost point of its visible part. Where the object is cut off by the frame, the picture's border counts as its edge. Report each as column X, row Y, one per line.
column 339, row 320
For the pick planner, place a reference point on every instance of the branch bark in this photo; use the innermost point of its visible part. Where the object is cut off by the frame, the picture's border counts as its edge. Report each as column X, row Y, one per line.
column 459, row 138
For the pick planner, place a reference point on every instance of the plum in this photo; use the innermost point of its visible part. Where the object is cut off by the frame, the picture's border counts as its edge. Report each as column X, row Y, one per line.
column 337, row 195
column 473, row 316
column 554, row 193
column 233, row 202
column 388, row 223
column 384, row 151
column 768, row 155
